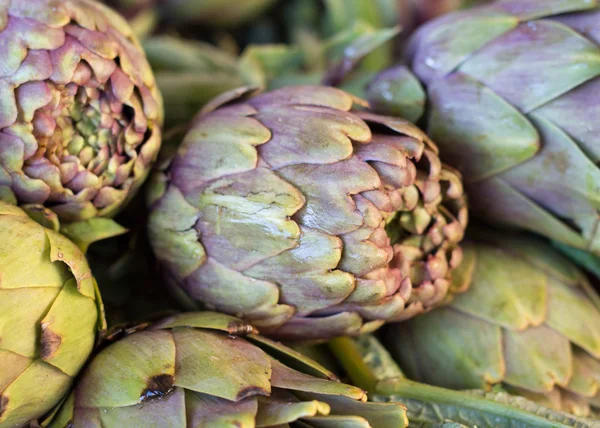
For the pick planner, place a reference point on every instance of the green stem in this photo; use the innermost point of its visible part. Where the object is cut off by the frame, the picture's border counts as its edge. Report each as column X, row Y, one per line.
column 369, row 366
column 453, row 403
column 348, row 355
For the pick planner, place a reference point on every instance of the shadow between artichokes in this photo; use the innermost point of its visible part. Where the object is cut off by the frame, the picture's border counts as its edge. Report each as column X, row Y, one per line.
column 50, row 317
column 209, row 369
column 307, row 217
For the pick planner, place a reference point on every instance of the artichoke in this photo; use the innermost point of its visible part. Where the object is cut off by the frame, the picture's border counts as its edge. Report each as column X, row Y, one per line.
column 50, row 316
column 306, row 218
column 529, row 321
column 209, row 369
column 80, row 113
column 513, row 104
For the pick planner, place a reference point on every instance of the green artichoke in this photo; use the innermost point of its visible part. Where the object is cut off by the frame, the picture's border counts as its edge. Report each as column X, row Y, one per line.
column 308, row 219
column 80, row 113
column 209, row 370
column 529, row 321
column 50, row 316
column 513, row 95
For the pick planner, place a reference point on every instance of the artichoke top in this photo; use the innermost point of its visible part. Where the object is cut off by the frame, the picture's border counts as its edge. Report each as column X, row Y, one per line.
column 80, row 113
column 306, row 217
column 513, row 103
column 50, row 316
column 210, row 369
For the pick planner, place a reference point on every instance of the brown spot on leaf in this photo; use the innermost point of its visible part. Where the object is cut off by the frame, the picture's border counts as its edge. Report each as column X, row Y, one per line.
column 3, row 404
column 119, row 332
column 158, row 386
column 558, row 160
column 50, row 342
column 250, row 392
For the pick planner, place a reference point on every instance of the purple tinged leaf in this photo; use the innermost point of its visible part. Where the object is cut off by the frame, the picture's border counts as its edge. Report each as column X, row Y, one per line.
column 467, row 119
column 535, row 63
column 578, row 114
column 437, row 49
column 585, row 23
column 533, row 9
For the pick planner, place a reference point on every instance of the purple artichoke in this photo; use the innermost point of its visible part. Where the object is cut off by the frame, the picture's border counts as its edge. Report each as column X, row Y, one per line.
column 310, row 219
column 514, row 104
column 80, row 113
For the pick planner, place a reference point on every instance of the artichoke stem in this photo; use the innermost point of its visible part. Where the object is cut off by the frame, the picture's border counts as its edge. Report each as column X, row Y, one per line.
column 371, row 367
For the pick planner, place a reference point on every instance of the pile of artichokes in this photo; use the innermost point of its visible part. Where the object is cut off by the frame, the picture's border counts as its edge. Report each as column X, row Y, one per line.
column 299, row 213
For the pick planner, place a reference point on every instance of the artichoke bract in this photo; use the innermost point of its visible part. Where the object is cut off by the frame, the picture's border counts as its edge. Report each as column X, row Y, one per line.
column 209, row 369
column 50, row 316
column 306, row 218
column 80, row 113
column 513, row 95
column 529, row 321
